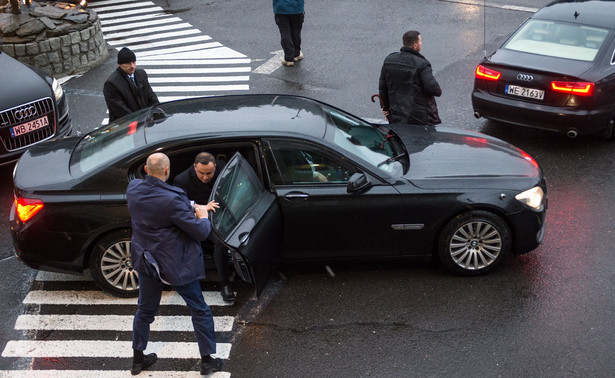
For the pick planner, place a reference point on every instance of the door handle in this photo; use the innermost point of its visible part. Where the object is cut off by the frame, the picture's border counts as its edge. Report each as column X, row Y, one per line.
column 243, row 238
column 296, row 195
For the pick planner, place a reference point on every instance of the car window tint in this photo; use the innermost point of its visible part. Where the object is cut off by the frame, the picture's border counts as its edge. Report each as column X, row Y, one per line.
column 558, row 40
column 366, row 141
column 237, row 189
column 295, row 164
column 106, row 144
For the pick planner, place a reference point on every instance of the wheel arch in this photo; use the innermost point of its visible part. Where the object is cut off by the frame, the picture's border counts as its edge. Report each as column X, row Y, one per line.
column 93, row 241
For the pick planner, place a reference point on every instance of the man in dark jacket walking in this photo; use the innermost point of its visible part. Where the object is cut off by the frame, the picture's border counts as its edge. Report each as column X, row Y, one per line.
column 407, row 85
column 127, row 89
column 166, row 249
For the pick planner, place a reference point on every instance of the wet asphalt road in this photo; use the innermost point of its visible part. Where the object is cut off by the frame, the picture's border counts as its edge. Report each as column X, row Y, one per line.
column 546, row 314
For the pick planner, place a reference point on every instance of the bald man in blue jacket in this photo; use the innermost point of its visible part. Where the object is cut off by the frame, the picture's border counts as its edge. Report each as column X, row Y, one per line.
column 166, row 249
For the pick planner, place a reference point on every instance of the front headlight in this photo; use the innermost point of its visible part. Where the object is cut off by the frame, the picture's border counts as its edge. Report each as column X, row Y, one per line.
column 57, row 90
column 532, row 197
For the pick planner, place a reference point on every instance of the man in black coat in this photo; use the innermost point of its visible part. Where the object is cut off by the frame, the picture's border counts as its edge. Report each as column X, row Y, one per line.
column 407, row 85
column 197, row 181
column 127, row 89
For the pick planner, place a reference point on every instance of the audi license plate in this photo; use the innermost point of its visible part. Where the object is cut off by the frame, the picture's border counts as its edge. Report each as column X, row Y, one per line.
column 524, row 92
column 30, row 126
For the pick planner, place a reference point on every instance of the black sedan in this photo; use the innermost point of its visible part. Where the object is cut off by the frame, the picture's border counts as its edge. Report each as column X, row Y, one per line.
column 556, row 72
column 33, row 108
column 304, row 181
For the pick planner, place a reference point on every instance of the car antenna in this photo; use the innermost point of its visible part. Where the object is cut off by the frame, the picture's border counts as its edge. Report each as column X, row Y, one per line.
column 485, row 29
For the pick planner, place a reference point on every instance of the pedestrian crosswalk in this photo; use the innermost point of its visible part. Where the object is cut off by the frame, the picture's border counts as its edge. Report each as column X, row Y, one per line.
column 180, row 60
column 67, row 328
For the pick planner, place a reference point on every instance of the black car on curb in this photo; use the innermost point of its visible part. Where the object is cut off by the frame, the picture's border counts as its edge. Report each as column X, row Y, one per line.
column 33, row 108
column 304, row 181
column 556, row 72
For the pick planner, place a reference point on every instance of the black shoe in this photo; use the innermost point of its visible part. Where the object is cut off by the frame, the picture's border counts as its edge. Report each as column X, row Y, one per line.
column 148, row 360
column 227, row 293
column 211, row 367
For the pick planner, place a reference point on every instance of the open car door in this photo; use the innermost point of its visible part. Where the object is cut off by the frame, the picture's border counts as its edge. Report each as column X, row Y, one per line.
column 248, row 221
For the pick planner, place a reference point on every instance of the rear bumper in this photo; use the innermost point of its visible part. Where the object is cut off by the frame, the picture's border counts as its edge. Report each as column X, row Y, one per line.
column 558, row 119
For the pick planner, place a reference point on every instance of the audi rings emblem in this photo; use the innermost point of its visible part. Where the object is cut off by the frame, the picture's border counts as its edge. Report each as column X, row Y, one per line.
column 525, row 77
column 25, row 112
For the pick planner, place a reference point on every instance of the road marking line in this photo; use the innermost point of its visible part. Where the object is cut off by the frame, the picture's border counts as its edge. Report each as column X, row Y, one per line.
column 272, row 64
column 153, row 37
column 104, row 16
column 123, row 6
column 493, row 5
column 184, row 71
column 197, row 79
column 180, row 41
column 127, row 22
column 149, row 30
column 113, row 323
column 104, row 374
column 171, row 61
column 72, row 297
column 106, row 348
column 201, row 88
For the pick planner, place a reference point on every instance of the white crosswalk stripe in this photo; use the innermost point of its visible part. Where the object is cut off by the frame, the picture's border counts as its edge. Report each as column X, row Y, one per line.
column 34, row 321
column 172, row 51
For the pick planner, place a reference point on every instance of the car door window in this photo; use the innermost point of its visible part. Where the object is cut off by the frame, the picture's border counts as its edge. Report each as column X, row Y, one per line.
column 297, row 164
column 237, row 190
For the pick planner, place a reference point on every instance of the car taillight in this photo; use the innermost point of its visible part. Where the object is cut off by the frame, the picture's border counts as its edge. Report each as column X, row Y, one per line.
column 573, row 87
column 483, row 72
column 27, row 208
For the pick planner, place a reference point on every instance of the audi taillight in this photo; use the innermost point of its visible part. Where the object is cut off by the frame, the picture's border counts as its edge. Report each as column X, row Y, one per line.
column 573, row 87
column 27, row 208
column 483, row 72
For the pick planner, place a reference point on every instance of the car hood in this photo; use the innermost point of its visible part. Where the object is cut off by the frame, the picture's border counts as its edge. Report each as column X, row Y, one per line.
column 45, row 165
column 449, row 158
column 531, row 63
column 20, row 83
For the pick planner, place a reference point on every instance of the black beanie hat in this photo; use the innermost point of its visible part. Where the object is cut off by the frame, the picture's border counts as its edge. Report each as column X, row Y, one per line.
column 126, row 56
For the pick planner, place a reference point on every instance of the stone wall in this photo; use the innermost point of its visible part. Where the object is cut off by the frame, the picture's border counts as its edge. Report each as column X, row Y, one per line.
column 63, row 47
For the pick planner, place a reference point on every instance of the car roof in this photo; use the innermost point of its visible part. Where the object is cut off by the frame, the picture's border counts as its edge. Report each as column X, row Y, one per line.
column 241, row 115
column 596, row 13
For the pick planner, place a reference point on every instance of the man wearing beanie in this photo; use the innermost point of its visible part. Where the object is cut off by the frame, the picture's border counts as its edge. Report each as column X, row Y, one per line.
column 127, row 89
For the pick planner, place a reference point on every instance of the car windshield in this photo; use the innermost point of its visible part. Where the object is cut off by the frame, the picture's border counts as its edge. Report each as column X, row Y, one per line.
column 558, row 39
column 105, row 144
column 367, row 142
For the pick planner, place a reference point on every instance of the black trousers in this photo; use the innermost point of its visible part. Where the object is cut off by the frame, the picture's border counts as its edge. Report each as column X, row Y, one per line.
column 221, row 260
column 290, row 33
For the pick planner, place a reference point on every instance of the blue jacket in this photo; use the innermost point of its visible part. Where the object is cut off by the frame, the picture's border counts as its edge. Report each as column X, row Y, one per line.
column 166, row 234
column 288, row 6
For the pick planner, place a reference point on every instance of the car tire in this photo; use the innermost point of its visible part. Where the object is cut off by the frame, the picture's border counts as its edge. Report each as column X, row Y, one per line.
column 111, row 267
column 474, row 243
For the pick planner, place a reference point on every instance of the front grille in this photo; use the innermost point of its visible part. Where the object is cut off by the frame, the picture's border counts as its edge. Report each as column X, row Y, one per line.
column 9, row 118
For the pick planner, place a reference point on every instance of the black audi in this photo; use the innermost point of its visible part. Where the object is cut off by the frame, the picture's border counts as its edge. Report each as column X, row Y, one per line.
column 556, row 72
column 304, row 181
column 33, row 108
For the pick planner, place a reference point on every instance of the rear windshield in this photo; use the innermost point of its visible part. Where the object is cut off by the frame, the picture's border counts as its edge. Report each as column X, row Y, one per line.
column 106, row 144
column 559, row 40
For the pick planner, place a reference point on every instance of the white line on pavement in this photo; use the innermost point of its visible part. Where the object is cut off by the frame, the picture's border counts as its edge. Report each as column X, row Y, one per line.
column 71, row 297
column 200, row 88
column 100, row 9
column 127, row 22
column 105, row 348
column 172, row 61
column 113, row 323
column 152, row 37
column 272, row 64
column 197, row 79
column 185, row 71
column 104, row 374
column 131, row 33
column 142, row 46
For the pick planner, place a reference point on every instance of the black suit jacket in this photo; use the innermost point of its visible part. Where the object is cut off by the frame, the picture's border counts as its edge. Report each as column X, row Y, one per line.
column 123, row 97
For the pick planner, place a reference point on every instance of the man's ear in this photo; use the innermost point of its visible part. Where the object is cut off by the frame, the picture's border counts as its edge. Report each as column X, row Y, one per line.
column 145, row 169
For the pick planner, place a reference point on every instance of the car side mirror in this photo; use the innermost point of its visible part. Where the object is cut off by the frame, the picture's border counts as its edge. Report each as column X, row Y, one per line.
column 358, row 183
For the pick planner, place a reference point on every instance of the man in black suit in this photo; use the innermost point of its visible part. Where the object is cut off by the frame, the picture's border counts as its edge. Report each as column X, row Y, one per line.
column 197, row 181
column 127, row 89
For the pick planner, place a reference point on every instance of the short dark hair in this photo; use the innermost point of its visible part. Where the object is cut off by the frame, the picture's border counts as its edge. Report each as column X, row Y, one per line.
column 204, row 158
column 410, row 38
